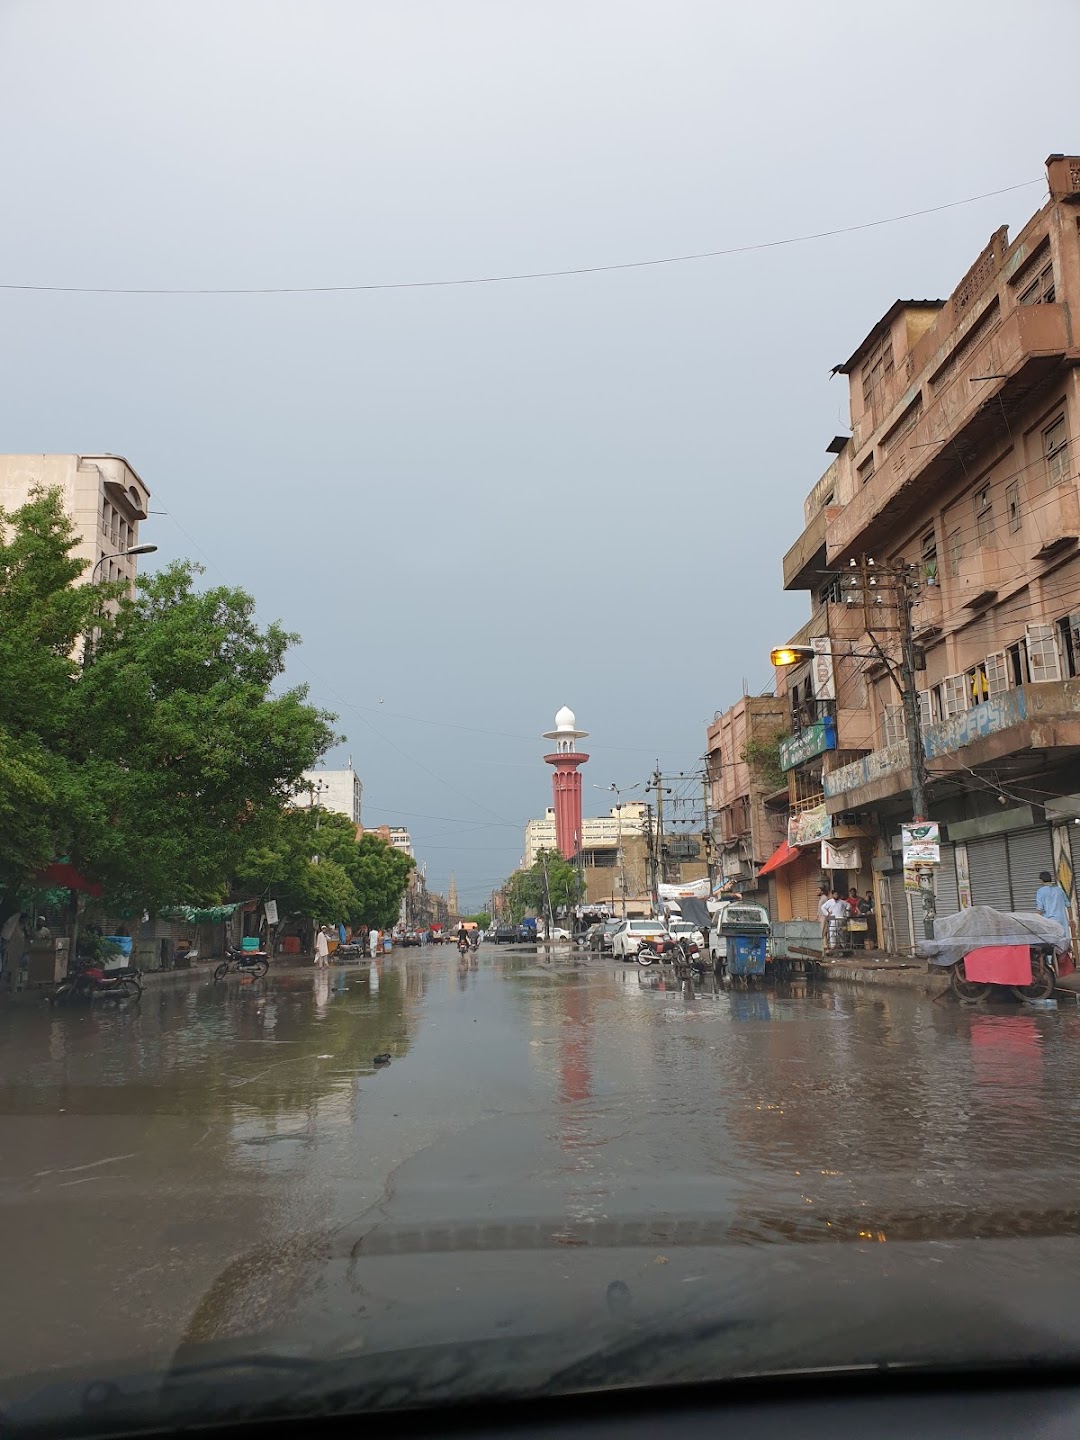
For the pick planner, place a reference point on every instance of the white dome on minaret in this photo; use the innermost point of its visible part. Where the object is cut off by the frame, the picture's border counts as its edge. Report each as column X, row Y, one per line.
column 566, row 719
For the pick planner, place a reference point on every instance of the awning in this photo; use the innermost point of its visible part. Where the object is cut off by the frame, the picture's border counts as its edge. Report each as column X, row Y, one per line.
column 784, row 854
column 62, row 875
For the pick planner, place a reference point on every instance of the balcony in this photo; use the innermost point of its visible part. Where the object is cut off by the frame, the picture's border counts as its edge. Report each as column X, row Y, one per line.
column 977, row 577
column 1057, row 521
column 963, row 415
column 805, row 560
column 1030, row 727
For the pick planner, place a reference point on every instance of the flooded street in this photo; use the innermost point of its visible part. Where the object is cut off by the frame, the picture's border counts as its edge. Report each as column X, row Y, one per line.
column 160, row 1161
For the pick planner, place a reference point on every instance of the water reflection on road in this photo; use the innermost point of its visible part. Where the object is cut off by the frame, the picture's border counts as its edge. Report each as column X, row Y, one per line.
column 144, row 1150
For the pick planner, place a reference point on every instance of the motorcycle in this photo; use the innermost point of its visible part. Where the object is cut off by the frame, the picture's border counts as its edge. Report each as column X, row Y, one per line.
column 89, row 982
column 463, row 947
column 245, row 962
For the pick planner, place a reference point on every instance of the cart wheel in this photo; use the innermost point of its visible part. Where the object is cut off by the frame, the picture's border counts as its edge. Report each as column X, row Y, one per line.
column 1042, row 983
column 967, row 989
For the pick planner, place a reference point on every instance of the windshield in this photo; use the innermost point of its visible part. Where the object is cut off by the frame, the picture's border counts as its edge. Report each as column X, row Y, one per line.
column 447, row 369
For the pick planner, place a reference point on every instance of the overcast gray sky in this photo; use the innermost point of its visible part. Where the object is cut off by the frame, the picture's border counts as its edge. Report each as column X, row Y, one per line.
column 480, row 503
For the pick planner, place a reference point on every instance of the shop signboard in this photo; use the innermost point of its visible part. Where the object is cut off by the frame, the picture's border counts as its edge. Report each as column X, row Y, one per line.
column 814, row 740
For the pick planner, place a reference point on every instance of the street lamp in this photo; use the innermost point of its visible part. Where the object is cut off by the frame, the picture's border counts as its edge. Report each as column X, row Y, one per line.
column 122, row 555
column 115, row 555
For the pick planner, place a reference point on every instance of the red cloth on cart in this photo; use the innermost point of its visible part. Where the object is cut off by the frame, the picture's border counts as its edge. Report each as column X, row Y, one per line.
column 999, row 964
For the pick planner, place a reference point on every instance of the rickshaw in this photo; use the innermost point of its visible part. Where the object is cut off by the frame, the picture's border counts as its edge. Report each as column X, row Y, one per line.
column 985, row 949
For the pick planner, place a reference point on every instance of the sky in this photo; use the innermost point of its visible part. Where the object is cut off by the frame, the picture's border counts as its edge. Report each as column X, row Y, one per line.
column 479, row 502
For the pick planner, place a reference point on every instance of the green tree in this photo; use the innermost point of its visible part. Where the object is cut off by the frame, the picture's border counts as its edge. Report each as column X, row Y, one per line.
column 549, row 875
column 180, row 744
column 311, row 862
column 42, row 615
column 481, row 918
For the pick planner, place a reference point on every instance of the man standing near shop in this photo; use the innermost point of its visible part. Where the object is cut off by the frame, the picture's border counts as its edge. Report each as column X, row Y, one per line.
column 1051, row 901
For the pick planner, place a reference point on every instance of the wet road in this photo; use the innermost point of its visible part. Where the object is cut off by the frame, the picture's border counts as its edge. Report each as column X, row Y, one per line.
column 146, row 1152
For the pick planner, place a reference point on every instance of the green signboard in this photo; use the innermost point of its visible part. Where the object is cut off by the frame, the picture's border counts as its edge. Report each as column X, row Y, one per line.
column 814, row 740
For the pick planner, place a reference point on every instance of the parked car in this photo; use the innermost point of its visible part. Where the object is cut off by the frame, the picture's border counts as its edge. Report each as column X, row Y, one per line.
column 598, row 937
column 686, row 927
column 504, row 935
column 558, row 932
column 735, row 912
column 632, row 934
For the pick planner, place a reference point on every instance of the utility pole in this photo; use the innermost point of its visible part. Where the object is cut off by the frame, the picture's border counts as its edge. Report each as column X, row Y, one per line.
column 707, row 835
column 904, row 678
column 547, row 895
column 913, row 726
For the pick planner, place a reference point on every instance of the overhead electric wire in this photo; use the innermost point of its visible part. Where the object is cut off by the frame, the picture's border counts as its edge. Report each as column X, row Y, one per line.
column 515, row 276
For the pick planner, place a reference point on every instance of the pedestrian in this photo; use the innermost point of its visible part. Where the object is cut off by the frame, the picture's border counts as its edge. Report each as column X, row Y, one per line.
column 823, row 915
column 866, row 910
column 853, row 901
column 1051, row 901
column 322, row 948
column 373, row 938
column 839, row 914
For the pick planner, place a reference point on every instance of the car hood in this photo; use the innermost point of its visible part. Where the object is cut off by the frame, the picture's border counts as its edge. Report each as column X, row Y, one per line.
column 438, row 1315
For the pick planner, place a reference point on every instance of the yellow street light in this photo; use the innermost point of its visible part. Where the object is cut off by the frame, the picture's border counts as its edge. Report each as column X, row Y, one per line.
column 791, row 654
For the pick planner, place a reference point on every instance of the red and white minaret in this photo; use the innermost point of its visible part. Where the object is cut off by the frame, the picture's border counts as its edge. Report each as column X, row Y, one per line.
column 566, row 782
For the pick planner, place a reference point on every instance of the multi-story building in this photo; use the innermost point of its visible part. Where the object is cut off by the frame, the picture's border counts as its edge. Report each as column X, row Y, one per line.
column 959, row 482
column 102, row 494
column 739, row 744
column 599, row 832
column 400, row 839
column 338, row 790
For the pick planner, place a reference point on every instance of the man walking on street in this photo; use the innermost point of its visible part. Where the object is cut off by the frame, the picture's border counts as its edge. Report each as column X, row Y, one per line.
column 322, row 948
column 1051, row 901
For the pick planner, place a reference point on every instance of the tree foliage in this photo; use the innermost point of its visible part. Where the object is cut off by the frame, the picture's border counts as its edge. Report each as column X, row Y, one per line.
column 313, row 865
column 549, row 876
column 164, row 761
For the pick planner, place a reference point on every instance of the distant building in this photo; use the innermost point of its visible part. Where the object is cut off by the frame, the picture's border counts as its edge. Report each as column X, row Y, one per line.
column 400, row 839
column 597, row 832
column 103, row 496
column 337, row 790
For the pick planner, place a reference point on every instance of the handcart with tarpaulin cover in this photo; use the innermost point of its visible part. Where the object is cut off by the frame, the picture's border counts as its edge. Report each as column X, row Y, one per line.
column 1015, row 949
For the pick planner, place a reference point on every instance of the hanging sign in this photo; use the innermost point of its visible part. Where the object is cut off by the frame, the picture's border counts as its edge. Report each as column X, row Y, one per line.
column 840, row 855
column 807, row 826
column 922, row 843
column 821, row 669
column 814, row 740
column 270, row 907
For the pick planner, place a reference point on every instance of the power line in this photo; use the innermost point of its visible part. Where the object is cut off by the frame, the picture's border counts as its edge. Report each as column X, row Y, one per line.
column 509, row 278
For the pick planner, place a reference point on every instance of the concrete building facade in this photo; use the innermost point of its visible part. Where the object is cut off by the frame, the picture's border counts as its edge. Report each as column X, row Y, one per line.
column 103, row 495
column 745, row 831
column 338, row 790
column 959, row 481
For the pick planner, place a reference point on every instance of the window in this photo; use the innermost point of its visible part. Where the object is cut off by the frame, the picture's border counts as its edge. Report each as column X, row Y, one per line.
column 1041, row 290
column 1069, row 642
column 928, row 557
column 1012, row 506
column 954, row 695
column 893, row 730
column 984, row 516
column 1016, row 664
column 866, row 469
column 956, row 551
column 1044, row 663
column 1056, row 450
column 978, row 687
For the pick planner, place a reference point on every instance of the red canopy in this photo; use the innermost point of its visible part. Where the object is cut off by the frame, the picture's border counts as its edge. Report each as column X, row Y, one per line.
column 64, row 875
column 784, row 854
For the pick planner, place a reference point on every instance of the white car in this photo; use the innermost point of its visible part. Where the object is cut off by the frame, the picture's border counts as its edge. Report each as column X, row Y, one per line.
column 687, row 928
column 558, row 933
column 735, row 912
column 632, row 934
